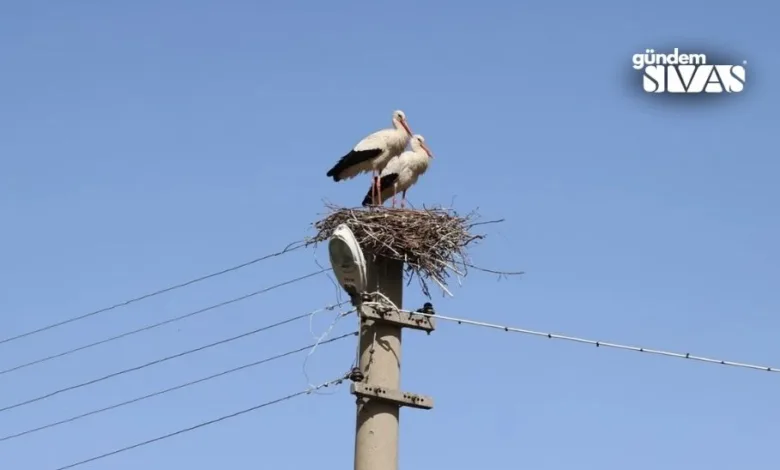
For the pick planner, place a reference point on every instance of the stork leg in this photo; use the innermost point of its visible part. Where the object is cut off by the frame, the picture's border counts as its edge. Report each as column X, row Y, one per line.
column 373, row 187
column 394, row 191
column 379, row 191
column 403, row 199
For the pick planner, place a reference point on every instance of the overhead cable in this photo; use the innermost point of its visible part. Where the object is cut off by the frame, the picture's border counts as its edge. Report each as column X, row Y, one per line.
column 207, row 423
column 159, row 361
column 161, row 323
column 291, row 247
column 464, row 321
column 177, row 387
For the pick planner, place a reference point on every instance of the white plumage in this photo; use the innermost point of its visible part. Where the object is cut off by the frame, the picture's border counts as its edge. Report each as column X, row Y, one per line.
column 401, row 173
column 375, row 151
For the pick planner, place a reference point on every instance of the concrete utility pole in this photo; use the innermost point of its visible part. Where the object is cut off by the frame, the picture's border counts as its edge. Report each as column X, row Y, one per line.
column 379, row 396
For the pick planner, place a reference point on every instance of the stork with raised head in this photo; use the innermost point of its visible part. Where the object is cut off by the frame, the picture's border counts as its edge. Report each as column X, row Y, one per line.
column 401, row 173
column 374, row 152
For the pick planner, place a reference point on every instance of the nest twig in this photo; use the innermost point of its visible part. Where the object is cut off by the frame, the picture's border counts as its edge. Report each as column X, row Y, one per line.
column 431, row 242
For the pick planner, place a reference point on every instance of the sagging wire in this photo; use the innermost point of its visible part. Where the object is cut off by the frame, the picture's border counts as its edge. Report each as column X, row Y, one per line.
column 319, row 339
column 332, row 281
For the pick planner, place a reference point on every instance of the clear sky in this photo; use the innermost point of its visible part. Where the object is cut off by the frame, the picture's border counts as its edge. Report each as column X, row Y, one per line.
column 146, row 143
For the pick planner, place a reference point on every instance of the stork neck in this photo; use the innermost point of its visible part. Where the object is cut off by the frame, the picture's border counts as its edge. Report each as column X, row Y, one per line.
column 400, row 128
column 419, row 162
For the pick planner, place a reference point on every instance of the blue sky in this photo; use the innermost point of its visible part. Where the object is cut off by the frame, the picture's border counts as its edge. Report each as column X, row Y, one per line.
column 146, row 143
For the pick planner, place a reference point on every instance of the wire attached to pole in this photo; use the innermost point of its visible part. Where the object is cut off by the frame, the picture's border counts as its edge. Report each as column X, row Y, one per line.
column 306, row 391
column 171, row 389
column 158, row 361
column 465, row 321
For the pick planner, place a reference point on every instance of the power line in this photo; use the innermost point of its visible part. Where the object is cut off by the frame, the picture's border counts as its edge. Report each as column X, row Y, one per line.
column 162, row 323
column 596, row 343
column 289, row 248
column 177, row 387
column 168, row 358
column 207, row 423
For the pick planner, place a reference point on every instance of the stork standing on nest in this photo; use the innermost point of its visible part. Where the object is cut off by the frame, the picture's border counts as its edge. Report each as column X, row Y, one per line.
column 401, row 173
column 374, row 152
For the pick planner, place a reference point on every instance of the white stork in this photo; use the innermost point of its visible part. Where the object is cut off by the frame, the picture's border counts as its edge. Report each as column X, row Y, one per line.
column 402, row 172
column 373, row 152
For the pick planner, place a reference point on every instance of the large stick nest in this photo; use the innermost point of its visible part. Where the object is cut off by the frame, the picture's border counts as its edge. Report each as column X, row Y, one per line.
column 431, row 242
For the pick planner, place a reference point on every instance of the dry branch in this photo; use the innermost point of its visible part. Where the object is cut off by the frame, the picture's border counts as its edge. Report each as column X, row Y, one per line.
column 431, row 242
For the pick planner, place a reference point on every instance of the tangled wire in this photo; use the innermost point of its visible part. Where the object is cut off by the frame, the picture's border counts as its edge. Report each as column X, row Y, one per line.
column 431, row 242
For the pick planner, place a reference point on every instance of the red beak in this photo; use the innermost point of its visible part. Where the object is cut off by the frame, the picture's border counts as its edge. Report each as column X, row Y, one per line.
column 427, row 150
column 406, row 126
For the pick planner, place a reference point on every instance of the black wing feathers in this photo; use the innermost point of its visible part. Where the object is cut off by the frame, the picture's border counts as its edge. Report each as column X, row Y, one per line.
column 351, row 159
column 388, row 180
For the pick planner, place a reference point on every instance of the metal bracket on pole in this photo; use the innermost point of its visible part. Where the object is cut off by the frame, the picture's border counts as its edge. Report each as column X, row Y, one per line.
column 397, row 397
column 402, row 319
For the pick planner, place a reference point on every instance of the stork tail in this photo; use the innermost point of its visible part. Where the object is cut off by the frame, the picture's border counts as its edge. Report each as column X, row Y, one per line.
column 354, row 157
